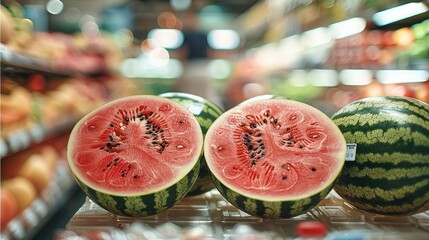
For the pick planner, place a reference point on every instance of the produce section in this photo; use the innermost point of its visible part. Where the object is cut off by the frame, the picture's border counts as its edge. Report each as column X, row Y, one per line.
column 62, row 59
column 42, row 98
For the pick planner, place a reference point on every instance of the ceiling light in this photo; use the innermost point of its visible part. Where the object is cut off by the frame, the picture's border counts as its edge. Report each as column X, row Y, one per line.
column 167, row 38
column 54, row 7
column 180, row 5
column 399, row 13
column 316, row 37
column 323, row 77
column 223, row 39
column 355, row 77
column 347, row 27
column 402, row 76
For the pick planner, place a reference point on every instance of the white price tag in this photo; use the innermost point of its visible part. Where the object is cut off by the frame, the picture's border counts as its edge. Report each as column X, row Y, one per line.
column 17, row 229
column 14, row 142
column 36, row 133
column 30, row 217
column 351, row 151
column 40, row 208
column 196, row 108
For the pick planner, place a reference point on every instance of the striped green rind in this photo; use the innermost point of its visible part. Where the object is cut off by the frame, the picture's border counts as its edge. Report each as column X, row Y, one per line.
column 143, row 205
column 391, row 172
column 271, row 209
column 208, row 114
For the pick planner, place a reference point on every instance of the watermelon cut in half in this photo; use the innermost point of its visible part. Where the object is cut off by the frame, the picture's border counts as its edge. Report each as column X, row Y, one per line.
column 274, row 158
column 206, row 113
column 390, row 172
column 136, row 156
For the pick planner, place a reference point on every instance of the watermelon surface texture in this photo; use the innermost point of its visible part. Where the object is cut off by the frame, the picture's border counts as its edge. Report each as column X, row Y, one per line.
column 206, row 112
column 390, row 173
column 136, row 156
column 274, row 158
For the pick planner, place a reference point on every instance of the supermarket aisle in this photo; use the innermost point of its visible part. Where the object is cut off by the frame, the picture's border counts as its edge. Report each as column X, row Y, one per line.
column 195, row 54
column 196, row 80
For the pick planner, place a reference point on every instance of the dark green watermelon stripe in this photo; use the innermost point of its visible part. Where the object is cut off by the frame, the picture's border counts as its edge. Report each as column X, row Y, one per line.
column 396, row 204
column 390, row 159
column 270, row 209
column 411, row 104
column 386, row 173
column 376, row 111
column 411, row 150
column 392, row 137
column 372, row 192
column 387, row 148
column 373, row 120
column 396, row 208
column 398, row 105
column 205, row 122
column 212, row 109
column 145, row 205
column 393, row 187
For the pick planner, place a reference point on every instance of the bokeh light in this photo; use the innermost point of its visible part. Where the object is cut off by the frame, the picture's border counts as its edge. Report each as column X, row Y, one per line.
column 54, row 7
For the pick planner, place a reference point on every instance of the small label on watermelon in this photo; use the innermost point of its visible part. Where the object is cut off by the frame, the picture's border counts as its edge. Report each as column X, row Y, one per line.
column 351, row 151
column 196, row 108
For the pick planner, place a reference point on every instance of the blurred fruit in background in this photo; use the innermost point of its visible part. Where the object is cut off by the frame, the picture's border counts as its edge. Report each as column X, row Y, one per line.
column 15, row 105
column 7, row 25
column 22, row 190
column 8, row 208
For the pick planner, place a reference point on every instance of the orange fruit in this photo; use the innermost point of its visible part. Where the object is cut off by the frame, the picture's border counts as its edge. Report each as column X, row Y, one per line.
column 22, row 190
column 50, row 156
column 37, row 170
column 8, row 207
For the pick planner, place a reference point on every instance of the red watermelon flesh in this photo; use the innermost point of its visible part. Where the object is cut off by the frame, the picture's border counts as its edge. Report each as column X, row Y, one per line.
column 138, row 144
column 275, row 149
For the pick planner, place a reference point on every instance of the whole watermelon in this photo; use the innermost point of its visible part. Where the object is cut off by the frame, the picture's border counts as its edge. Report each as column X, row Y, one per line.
column 206, row 112
column 390, row 173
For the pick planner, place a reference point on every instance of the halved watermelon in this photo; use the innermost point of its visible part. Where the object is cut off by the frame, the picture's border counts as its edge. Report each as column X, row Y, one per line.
column 136, row 156
column 274, row 158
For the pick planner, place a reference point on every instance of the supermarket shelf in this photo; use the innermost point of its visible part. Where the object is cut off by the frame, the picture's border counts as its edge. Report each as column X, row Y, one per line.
column 220, row 220
column 28, row 223
column 255, row 22
column 15, row 64
column 24, row 138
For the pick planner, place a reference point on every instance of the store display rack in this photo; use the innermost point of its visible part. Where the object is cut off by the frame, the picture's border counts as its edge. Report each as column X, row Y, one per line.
column 18, row 64
column 24, row 138
column 220, row 220
column 27, row 224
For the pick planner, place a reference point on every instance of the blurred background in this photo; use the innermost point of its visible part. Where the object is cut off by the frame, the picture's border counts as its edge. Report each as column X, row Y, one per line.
column 62, row 58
